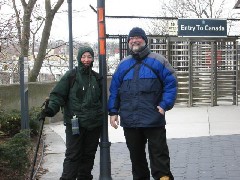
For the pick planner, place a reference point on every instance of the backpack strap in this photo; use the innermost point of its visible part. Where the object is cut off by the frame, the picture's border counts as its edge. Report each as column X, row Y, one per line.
column 155, row 72
column 71, row 80
column 97, row 76
column 148, row 66
column 127, row 71
column 161, row 82
column 72, row 77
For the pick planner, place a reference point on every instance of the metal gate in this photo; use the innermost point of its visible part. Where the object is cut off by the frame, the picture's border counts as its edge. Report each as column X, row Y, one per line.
column 207, row 69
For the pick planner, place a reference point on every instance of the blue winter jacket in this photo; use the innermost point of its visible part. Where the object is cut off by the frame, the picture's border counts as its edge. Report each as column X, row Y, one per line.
column 135, row 94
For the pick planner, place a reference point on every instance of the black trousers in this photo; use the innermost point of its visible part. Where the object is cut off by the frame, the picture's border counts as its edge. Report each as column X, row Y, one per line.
column 80, row 153
column 136, row 139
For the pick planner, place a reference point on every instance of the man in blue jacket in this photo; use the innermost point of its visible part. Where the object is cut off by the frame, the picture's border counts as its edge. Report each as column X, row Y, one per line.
column 143, row 88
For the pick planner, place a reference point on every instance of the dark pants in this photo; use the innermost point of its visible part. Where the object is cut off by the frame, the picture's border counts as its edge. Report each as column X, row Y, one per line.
column 136, row 139
column 80, row 153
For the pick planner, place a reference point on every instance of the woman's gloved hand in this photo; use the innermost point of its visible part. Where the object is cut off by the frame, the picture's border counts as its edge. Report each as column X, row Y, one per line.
column 46, row 112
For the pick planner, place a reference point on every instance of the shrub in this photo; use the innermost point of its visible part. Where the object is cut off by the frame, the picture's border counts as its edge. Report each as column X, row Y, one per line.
column 14, row 154
column 34, row 123
column 10, row 121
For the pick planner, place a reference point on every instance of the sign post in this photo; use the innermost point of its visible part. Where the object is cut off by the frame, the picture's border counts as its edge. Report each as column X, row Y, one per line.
column 105, row 160
column 70, row 43
column 172, row 28
column 24, row 92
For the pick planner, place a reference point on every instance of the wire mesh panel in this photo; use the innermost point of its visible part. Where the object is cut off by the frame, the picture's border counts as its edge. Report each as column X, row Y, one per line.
column 238, row 71
column 201, row 73
column 226, row 72
column 179, row 59
column 159, row 45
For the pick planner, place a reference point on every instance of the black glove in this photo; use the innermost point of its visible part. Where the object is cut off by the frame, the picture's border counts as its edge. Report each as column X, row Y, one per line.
column 46, row 112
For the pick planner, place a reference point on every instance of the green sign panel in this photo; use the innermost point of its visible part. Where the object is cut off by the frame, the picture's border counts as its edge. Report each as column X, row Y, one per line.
column 202, row 27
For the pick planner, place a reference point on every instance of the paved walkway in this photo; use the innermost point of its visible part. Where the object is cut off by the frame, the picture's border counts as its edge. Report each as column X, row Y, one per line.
column 204, row 144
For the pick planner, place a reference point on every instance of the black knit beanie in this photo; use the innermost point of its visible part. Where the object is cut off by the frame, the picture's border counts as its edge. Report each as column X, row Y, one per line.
column 84, row 49
column 136, row 31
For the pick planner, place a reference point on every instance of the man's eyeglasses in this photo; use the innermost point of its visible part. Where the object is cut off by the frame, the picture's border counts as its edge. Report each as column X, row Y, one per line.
column 135, row 37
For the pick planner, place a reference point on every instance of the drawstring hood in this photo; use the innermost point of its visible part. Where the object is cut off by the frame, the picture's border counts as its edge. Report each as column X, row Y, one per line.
column 81, row 51
column 82, row 68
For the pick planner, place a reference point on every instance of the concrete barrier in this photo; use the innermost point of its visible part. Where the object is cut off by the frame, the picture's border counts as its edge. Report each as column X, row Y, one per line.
column 37, row 92
column 10, row 97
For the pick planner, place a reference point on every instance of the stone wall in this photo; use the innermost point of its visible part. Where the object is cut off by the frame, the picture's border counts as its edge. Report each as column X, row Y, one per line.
column 10, row 97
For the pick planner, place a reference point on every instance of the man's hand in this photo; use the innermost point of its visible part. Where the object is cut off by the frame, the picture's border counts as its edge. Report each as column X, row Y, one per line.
column 114, row 121
column 161, row 110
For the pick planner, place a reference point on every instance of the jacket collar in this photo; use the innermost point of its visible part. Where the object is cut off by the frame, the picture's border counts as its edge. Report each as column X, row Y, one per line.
column 142, row 54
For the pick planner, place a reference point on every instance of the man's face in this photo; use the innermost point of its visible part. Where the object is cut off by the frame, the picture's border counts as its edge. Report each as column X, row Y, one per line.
column 136, row 43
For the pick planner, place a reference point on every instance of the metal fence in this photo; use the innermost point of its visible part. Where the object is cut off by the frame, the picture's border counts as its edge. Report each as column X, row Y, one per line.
column 207, row 68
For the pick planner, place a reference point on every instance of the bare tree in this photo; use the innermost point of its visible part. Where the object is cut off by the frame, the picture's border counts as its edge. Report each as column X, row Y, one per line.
column 195, row 8
column 186, row 9
column 23, row 27
column 24, row 30
column 6, row 28
column 50, row 13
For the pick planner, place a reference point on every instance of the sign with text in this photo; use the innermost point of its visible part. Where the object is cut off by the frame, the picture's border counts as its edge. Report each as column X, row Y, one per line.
column 202, row 27
column 173, row 28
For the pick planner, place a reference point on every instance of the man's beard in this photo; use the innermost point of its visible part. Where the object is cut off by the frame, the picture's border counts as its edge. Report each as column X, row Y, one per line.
column 136, row 47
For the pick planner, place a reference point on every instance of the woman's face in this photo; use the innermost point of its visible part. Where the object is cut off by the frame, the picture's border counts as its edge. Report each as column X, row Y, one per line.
column 86, row 59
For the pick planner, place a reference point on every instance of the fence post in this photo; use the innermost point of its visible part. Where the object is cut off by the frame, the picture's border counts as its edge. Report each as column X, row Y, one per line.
column 214, row 74
column 70, row 43
column 190, row 75
column 23, row 64
column 105, row 159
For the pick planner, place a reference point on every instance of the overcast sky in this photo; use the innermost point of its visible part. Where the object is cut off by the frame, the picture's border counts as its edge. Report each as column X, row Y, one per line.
column 85, row 19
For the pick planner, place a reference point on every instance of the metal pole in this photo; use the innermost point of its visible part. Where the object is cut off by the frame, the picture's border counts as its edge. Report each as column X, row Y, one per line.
column 24, row 92
column 70, row 34
column 190, row 74
column 235, row 69
column 105, row 162
column 214, row 73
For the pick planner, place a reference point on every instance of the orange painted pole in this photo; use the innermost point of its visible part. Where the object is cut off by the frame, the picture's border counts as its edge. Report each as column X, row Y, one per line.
column 105, row 160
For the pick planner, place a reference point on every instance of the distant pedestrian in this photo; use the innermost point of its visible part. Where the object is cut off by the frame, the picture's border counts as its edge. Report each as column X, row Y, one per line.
column 79, row 94
column 143, row 88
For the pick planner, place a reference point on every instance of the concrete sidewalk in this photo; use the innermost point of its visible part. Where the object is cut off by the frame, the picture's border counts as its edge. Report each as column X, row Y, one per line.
column 204, row 143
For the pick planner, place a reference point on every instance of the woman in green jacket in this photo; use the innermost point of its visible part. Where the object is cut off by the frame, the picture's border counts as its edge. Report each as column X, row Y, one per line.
column 78, row 93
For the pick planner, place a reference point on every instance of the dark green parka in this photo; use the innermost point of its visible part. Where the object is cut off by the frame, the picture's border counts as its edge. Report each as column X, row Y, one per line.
column 83, row 99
